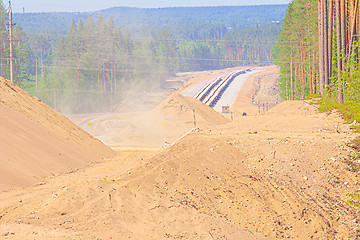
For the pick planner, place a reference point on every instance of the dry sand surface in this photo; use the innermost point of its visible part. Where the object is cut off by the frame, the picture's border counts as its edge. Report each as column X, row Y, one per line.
column 174, row 116
column 36, row 141
column 283, row 174
column 260, row 88
column 104, row 202
column 166, row 122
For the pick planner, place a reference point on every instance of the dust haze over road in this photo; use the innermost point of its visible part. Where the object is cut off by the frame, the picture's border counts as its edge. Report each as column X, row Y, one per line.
column 264, row 176
column 121, row 128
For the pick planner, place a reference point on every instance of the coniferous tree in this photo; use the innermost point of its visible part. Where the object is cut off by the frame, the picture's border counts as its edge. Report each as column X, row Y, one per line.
column 296, row 51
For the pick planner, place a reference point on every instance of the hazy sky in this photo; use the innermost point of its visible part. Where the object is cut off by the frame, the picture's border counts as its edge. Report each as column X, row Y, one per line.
column 93, row 5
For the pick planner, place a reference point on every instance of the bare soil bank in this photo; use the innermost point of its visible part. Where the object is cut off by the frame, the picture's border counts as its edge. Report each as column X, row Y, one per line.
column 283, row 174
column 37, row 142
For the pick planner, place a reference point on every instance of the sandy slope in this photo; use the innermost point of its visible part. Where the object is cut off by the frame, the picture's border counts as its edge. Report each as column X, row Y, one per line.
column 265, row 174
column 165, row 123
column 102, row 203
column 259, row 88
column 168, row 121
column 36, row 141
column 279, row 175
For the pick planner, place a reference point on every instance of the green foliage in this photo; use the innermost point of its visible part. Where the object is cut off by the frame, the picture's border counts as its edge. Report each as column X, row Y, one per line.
column 85, row 56
column 355, row 200
column 351, row 111
column 296, row 50
column 20, row 50
column 199, row 22
column 317, row 95
column 345, row 82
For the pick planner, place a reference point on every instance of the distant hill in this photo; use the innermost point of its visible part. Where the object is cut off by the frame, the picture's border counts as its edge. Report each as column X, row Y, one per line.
column 232, row 17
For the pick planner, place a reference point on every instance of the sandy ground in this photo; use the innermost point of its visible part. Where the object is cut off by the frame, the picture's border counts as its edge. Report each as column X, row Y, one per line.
column 282, row 174
column 259, row 89
column 231, row 93
column 164, row 123
column 36, row 141
column 171, row 118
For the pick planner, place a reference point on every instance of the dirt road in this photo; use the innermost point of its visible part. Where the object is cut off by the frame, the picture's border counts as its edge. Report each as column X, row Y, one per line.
column 174, row 116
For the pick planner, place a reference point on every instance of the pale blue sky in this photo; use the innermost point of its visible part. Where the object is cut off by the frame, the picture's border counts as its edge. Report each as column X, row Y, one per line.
column 94, row 5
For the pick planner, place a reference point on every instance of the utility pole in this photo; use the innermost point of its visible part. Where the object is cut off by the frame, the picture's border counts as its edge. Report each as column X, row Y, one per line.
column 1, row 63
column 36, row 70
column 42, row 65
column 194, row 117
column 78, row 67
column 11, row 47
column 115, row 77
column 19, row 63
column 55, row 100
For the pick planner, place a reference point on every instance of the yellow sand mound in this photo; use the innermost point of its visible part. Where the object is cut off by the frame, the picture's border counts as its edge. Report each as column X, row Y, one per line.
column 205, row 115
column 36, row 141
column 272, row 173
column 294, row 107
column 175, row 116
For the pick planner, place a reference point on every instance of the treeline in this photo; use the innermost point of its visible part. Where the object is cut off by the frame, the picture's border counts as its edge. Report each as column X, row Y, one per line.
column 143, row 18
column 238, row 47
column 91, row 65
column 296, row 50
column 97, row 63
column 98, row 60
column 251, row 45
column 318, row 51
column 339, row 32
column 20, row 50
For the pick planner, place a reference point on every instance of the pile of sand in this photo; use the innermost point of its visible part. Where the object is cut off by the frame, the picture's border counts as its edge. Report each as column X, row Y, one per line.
column 36, row 141
column 268, row 174
column 226, row 182
column 107, row 202
column 281, row 175
column 175, row 116
column 177, row 108
column 295, row 107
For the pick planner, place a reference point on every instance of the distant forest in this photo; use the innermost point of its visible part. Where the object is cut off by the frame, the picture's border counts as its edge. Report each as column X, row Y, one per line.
column 234, row 17
column 80, row 56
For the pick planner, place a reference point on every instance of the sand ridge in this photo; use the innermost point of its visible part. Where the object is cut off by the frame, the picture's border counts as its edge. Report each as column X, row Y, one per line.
column 283, row 174
column 262, row 174
column 175, row 116
column 37, row 142
column 160, row 126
